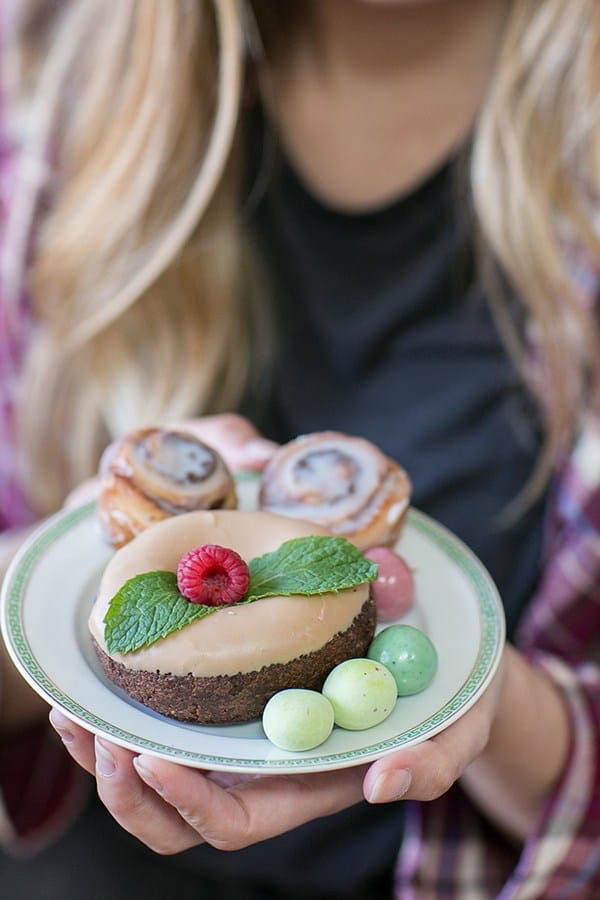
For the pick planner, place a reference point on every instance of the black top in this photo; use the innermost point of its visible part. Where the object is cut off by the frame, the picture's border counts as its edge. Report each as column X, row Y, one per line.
column 385, row 333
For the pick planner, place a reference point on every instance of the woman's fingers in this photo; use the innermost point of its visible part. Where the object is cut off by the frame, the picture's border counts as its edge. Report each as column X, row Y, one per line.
column 423, row 772
column 136, row 807
column 235, row 438
column 427, row 770
column 251, row 809
column 172, row 808
column 78, row 741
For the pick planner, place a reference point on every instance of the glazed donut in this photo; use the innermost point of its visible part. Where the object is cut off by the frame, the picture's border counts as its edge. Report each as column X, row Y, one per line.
column 224, row 667
column 153, row 473
column 343, row 483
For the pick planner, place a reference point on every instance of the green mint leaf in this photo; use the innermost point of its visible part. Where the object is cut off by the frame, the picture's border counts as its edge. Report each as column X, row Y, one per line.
column 146, row 608
column 309, row 565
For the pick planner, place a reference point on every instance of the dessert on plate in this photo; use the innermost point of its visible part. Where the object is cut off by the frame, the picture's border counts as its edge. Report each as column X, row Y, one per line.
column 225, row 664
column 217, row 655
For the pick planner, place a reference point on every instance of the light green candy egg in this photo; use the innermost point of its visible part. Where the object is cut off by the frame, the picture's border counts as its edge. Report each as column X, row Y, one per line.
column 409, row 655
column 297, row 719
column 362, row 693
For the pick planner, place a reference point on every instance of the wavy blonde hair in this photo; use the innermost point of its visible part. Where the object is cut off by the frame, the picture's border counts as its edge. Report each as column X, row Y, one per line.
column 141, row 268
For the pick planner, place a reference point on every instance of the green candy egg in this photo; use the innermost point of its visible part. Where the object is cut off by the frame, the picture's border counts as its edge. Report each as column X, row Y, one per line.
column 297, row 719
column 362, row 693
column 408, row 654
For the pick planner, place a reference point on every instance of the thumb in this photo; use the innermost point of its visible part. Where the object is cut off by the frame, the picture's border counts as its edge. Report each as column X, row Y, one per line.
column 251, row 456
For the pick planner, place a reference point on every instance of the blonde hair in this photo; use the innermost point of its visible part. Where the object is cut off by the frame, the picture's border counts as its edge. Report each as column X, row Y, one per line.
column 141, row 265
column 536, row 189
column 139, row 261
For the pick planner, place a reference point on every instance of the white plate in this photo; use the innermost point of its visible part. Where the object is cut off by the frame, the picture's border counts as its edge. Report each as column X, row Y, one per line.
column 50, row 586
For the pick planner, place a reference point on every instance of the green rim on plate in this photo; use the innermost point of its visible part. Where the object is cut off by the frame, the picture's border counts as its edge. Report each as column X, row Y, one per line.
column 492, row 639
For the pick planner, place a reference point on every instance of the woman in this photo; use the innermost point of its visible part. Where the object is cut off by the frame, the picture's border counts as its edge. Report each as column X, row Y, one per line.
column 148, row 267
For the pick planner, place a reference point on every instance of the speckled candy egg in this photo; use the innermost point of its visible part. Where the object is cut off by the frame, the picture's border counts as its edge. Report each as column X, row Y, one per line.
column 408, row 654
column 362, row 693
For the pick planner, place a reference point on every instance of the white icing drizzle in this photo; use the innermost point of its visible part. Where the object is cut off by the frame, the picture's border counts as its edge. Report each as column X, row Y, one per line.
column 339, row 481
column 171, row 469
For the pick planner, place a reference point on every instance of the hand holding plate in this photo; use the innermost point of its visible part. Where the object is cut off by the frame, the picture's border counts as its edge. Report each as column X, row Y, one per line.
column 171, row 808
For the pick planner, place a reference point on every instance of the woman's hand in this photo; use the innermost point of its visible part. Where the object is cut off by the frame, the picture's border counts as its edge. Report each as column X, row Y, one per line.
column 172, row 808
column 235, row 438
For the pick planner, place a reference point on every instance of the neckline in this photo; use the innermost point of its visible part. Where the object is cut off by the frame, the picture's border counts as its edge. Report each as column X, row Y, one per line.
column 439, row 179
column 271, row 168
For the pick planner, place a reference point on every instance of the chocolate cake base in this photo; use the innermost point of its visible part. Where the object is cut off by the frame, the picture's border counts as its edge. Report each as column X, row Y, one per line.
column 223, row 699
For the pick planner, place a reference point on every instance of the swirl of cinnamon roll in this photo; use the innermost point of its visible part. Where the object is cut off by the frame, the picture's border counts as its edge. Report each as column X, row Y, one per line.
column 153, row 473
column 341, row 482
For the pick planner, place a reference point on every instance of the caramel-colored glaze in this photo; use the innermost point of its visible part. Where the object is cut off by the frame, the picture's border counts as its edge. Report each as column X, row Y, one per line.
column 234, row 639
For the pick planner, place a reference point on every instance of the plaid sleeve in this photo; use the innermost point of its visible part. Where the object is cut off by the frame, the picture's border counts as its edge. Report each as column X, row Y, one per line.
column 561, row 634
column 562, row 857
column 450, row 850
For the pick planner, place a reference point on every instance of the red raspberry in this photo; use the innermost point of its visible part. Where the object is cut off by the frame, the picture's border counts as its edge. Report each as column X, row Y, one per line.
column 212, row 575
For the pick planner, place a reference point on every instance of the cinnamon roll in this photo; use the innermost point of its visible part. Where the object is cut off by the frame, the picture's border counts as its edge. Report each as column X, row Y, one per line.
column 343, row 483
column 151, row 474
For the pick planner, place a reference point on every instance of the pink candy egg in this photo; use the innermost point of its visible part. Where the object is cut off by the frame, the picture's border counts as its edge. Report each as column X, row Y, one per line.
column 394, row 589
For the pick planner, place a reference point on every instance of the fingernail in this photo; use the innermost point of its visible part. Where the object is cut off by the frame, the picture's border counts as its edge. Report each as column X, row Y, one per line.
column 105, row 763
column 60, row 724
column 390, row 786
column 146, row 775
